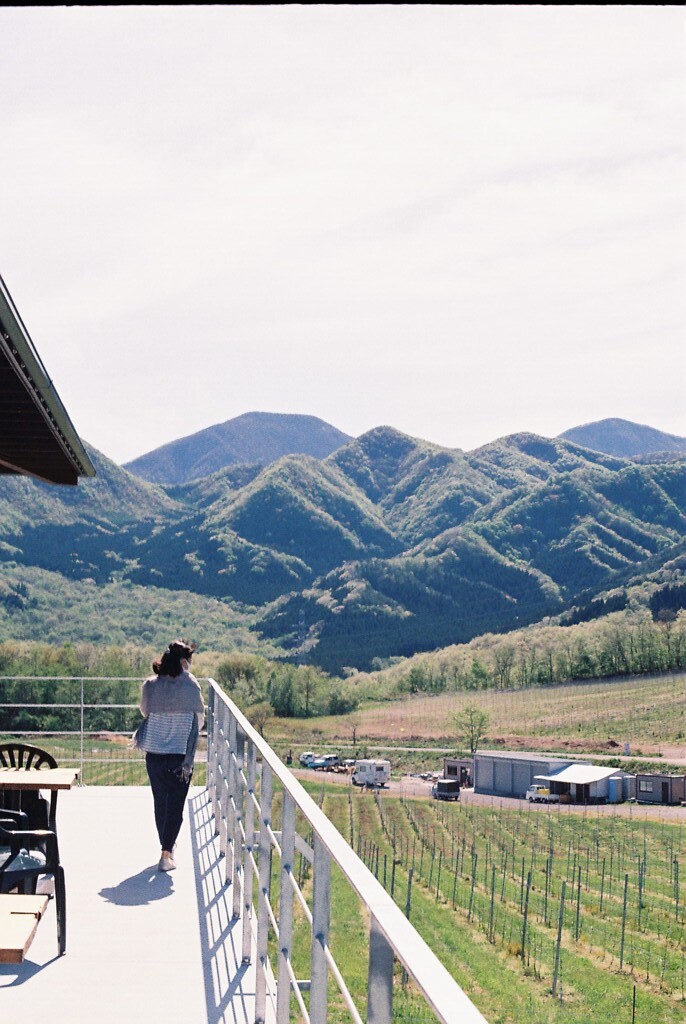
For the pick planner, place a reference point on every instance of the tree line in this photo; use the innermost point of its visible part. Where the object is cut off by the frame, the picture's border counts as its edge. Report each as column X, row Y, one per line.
column 623, row 643
column 112, row 676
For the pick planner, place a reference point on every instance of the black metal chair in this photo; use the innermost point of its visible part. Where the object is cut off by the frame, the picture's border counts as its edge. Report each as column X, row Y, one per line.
column 23, row 755
column 26, row 855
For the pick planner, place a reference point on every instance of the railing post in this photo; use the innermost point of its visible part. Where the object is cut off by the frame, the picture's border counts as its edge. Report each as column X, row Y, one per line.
column 82, row 718
column 266, row 790
column 321, row 902
column 380, row 977
column 211, row 779
column 236, row 805
column 283, row 984
column 222, row 825
column 248, row 851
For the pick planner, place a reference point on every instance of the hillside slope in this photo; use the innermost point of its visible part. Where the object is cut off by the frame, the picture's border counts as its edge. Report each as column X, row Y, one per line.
column 255, row 437
column 624, row 438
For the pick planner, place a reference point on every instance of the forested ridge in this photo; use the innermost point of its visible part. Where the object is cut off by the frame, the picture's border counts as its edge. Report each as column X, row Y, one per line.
column 387, row 547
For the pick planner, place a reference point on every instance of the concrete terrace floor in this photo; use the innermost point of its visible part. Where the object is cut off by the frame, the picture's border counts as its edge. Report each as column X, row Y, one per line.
column 141, row 944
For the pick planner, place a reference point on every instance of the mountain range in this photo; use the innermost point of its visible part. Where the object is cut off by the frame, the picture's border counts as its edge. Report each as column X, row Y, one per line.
column 260, row 438
column 386, row 546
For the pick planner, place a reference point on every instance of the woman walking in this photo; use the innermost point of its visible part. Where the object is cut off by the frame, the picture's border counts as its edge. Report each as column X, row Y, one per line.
column 173, row 712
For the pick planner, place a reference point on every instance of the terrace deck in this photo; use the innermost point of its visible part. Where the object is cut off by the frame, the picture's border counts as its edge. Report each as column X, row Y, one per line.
column 141, row 944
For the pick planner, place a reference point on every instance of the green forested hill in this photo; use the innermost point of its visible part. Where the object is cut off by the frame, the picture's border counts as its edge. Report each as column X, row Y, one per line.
column 390, row 545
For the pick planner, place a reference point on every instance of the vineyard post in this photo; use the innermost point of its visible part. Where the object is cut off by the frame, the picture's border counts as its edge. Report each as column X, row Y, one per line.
column 393, row 878
column 408, row 902
column 490, row 917
column 475, row 858
column 602, row 887
column 521, row 887
column 438, row 878
column 640, row 891
column 526, row 914
column 560, row 920
column 408, row 907
column 621, row 946
column 547, row 890
column 578, row 905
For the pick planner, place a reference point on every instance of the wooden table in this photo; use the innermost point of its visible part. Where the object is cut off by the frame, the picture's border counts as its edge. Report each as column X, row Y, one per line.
column 31, row 780
column 19, row 918
column 38, row 778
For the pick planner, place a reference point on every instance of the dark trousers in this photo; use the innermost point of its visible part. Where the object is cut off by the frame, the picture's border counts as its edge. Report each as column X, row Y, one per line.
column 169, row 795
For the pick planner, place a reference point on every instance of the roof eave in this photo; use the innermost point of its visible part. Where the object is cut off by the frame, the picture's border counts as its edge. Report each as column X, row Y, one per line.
column 20, row 351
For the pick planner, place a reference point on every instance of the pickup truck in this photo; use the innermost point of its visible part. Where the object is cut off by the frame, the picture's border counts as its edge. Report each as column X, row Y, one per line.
column 538, row 794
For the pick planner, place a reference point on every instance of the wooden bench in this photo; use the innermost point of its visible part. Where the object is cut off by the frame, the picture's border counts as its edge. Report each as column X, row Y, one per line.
column 19, row 919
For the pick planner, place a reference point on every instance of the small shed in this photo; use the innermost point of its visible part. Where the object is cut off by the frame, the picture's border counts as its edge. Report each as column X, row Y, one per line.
column 588, row 784
column 460, row 768
column 653, row 788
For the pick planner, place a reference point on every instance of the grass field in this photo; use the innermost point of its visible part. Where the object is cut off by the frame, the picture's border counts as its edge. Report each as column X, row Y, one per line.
column 649, row 712
column 487, row 894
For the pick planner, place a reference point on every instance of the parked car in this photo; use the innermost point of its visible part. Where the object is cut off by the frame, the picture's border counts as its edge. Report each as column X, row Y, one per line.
column 538, row 794
column 305, row 758
column 446, row 789
column 326, row 763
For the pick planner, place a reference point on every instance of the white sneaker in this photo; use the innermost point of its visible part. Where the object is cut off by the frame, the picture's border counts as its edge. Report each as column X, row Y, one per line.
column 166, row 864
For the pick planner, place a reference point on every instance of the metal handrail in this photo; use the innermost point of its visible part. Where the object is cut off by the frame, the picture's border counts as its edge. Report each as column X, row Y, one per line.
column 78, row 705
column 233, row 749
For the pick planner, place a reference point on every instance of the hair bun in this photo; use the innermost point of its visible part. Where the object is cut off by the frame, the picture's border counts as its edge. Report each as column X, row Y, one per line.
column 181, row 649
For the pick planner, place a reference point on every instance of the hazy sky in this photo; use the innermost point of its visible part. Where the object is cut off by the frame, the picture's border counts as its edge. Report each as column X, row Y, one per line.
column 463, row 221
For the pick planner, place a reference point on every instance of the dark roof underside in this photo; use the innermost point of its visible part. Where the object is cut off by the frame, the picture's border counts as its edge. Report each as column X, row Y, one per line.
column 37, row 437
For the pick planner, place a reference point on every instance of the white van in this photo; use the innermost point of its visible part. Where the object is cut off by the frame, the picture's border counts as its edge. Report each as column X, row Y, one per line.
column 370, row 772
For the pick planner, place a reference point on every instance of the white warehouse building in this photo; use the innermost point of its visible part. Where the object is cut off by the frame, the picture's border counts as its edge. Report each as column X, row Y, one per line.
column 510, row 775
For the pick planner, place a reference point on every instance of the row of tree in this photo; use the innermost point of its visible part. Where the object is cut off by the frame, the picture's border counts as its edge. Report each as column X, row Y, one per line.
column 265, row 689
column 624, row 643
column 261, row 687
